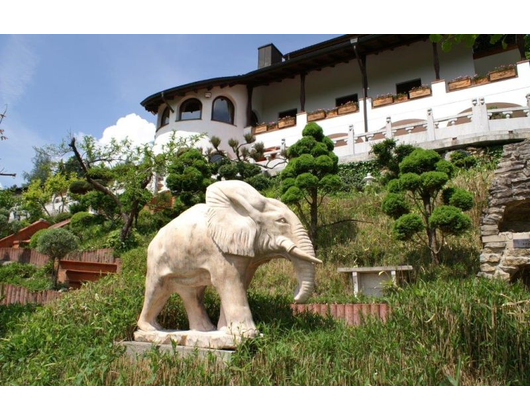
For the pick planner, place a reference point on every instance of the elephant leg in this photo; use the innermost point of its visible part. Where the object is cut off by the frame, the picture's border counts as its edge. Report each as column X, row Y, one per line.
column 156, row 297
column 236, row 317
column 249, row 274
column 193, row 299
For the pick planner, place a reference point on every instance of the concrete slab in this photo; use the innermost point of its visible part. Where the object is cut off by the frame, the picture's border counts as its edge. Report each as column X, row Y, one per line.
column 136, row 348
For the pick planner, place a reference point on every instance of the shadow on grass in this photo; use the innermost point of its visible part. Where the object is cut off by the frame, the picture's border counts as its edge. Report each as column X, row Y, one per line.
column 9, row 314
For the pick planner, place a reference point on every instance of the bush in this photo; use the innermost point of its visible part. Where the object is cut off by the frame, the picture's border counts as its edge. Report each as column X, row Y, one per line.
column 34, row 241
column 56, row 243
column 407, row 225
column 450, row 220
column 81, row 220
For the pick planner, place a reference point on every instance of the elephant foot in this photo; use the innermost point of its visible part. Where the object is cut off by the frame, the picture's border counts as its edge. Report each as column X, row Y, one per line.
column 240, row 330
column 149, row 326
column 202, row 325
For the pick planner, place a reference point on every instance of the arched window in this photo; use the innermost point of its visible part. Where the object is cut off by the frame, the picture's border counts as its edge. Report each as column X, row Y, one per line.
column 164, row 119
column 223, row 110
column 190, row 109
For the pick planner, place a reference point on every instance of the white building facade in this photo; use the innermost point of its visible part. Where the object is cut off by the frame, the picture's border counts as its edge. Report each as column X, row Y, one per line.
column 360, row 89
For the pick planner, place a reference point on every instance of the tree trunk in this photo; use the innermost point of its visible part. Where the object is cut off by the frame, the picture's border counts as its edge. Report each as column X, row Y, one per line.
column 431, row 233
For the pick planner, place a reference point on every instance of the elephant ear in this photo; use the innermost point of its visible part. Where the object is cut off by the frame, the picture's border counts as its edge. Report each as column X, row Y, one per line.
column 233, row 207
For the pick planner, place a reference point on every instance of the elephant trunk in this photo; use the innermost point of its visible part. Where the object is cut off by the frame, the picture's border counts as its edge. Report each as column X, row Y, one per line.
column 303, row 258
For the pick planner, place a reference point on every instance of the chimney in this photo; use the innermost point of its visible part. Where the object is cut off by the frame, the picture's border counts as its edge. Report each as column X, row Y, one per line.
column 268, row 55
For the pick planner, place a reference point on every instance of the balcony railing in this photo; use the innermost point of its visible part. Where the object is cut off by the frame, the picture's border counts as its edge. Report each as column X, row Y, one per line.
column 496, row 110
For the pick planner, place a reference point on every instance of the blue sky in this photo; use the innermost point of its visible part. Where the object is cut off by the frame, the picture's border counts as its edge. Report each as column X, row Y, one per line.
column 55, row 84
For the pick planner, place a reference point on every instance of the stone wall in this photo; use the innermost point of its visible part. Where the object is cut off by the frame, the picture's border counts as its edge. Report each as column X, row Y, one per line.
column 505, row 225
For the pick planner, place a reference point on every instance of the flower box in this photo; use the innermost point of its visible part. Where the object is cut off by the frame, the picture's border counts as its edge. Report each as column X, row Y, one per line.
column 382, row 100
column 505, row 73
column 482, row 80
column 262, row 128
column 460, row 83
column 272, row 126
column 316, row 115
column 419, row 92
column 332, row 112
column 401, row 98
column 287, row 122
column 348, row 108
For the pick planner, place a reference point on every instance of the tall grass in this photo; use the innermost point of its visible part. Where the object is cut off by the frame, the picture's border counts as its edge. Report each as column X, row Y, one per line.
column 447, row 326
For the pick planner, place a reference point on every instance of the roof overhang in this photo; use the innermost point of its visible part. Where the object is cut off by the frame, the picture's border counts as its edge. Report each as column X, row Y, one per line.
column 329, row 53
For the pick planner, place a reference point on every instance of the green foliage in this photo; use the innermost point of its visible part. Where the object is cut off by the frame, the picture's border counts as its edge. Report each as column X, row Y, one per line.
column 463, row 160
column 352, row 174
column 395, row 205
column 458, row 197
column 113, row 240
column 423, row 176
column 388, row 156
column 419, row 161
column 450, row 220
column 33, row 242
column 189, row 174
column 81, row 220
column 29, row 276
column 310, row 174
column 56, row 243
column 407, row 226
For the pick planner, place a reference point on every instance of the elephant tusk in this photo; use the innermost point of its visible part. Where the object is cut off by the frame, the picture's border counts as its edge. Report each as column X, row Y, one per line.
column 297, row 252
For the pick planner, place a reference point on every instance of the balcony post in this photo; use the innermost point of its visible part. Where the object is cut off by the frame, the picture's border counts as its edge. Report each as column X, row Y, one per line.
column 528, row 105
column 436, row 60
column 388, row 133
column 480, row 118
column 249, row 105
column 431, row 129
column 302, row 92
column 351, row 140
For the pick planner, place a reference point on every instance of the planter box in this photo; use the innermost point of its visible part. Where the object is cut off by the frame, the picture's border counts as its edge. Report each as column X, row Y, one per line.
column 419, row 93
column 332, row 112
column 348, row 108
column 459, row 84
column 502, row 74
column 316, row 115
column 262, row 128
column 272, row 126
column 399, row 99
column 481, row 81
column 352, row 313
column 386, row 100
column 287, row 122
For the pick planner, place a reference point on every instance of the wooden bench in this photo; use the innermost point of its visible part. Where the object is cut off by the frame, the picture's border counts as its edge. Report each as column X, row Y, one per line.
column 75, row 273
column 370, row 281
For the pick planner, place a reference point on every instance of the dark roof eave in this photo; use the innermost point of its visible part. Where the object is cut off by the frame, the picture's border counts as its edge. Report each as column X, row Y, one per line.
column 152, row 102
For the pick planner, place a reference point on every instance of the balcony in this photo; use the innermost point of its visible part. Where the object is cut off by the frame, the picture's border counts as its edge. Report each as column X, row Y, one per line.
column 450, row 115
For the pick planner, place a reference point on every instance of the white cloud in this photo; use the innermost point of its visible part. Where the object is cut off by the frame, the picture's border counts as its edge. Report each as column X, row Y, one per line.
column 18, row 63
column 138, row 130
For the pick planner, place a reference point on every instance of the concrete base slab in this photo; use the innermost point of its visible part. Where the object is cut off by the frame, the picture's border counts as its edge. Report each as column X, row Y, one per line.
column 200, row 339
column 135, row 348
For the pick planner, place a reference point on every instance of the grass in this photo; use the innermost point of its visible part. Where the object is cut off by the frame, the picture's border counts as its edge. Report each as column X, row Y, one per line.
column 29, row 276
column 447, row 326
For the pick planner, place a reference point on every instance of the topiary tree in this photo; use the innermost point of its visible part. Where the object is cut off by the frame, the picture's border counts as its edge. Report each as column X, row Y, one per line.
column 56, row 243
column 310, row 175
column 189, row 174
column 388, row 156
column 420, row 201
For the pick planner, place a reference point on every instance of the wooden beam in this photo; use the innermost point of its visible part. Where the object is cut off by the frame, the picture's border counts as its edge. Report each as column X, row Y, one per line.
column 302, row 92
column 249, row 105
column 436, row 60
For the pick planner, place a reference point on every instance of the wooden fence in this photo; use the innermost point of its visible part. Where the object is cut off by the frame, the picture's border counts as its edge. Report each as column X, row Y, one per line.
column 351, row 313
column 31, row 256
column 10, row 294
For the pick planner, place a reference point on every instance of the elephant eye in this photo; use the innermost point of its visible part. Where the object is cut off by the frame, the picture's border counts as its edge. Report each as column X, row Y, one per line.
column 282, row 220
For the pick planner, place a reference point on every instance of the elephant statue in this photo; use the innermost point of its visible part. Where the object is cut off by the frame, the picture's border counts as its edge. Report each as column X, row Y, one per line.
column 222, row 243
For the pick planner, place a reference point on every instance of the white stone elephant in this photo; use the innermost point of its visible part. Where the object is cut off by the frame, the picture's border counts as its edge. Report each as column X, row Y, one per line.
column 222, row 243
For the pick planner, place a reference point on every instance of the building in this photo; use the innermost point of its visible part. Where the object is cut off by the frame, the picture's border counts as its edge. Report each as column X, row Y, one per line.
column 361, row 89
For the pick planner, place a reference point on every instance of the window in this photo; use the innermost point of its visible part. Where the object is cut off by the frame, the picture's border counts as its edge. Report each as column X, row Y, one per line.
column 223, row 110
column 190, row 109
column 288, row 113
column 164, row 119
column 345, row 99
column 405, row 87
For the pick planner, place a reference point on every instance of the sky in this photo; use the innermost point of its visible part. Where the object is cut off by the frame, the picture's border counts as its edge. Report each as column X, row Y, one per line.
column 93, row 84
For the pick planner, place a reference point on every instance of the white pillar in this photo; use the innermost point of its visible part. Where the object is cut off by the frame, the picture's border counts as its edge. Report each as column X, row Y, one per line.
column 431, row 129
column 388, row 133
column 351, row 141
